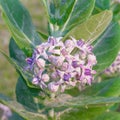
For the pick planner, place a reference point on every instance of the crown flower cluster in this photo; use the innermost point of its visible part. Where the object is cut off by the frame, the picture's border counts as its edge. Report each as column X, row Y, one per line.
column 58, row 65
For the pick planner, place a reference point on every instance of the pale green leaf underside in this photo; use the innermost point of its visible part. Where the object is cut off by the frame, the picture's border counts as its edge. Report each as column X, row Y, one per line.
column 21, row 39
column 80, row 101
column 93, row 27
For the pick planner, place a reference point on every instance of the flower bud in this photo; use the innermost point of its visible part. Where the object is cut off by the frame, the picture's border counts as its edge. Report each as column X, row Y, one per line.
column 64, row 52
column 54, row 75
column 53, row 87
column 91, row 59
column 64, row 66
column 40, row 49
column 35, row 81
column 40, row 62
column 69, row 43
column 45, row 77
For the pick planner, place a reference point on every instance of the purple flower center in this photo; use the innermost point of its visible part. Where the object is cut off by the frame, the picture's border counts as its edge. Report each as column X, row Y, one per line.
column 29, row 61
column 66, row 77
column 52, row 41
column 87, row 72
column 75, row 64
column 80, row 43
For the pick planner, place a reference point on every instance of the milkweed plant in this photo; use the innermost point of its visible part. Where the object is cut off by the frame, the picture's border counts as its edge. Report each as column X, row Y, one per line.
column 59, row 70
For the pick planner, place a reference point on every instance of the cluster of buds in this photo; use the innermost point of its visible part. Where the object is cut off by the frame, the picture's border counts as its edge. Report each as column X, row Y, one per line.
column 114, row 68
column 58, row 65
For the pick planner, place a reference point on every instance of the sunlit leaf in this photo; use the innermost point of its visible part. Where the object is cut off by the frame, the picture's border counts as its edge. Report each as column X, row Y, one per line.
column 93, row 27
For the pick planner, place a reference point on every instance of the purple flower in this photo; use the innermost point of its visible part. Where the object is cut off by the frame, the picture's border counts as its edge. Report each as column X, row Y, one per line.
column 80, row 43
column 66, row 77
column 29, row 61
column 87, row 71
column 52, row 40
column 75, row 64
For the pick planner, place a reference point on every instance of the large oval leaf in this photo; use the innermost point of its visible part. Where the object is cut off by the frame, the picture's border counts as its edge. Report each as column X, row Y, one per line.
column 93, row 27
column 107, row 46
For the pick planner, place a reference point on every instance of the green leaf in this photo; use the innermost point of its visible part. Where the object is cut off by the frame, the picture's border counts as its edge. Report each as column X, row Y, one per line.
column 63, row 15
column 116, row 11
column 16, row 53
column 109, row 116
column 106, row 88
column 93, row 27
column 43, row 36
column 28, row 96
column 18, row 61
column 83, row 113
column 21, row 111
column 107, row 47
column 101, row 5
column 20, row 24
column 93, row 113
column 15, row 116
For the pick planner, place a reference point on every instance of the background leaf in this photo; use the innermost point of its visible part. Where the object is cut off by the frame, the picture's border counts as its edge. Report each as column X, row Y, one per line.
column 93, row 27
column 43, row 36
column 20, row 24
